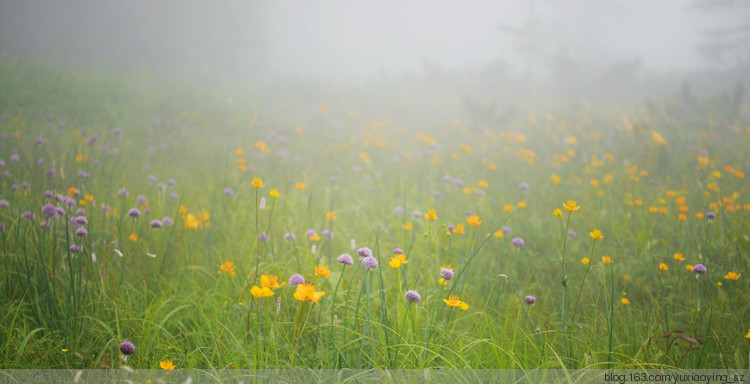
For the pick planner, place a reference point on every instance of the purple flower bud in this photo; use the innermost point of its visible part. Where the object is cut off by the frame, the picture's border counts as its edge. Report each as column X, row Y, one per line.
column 518, row 242
column 229, row 192
column 173, row 195
column 289, row 236
column 127, row 348
column 134, row 213
column 699, row 269
column 523, row 186
column 123, row 192
column 140, row 199
column 80, row 221
column 412, row 296
column 370, row 262
column 69, row 201
column 296, row 279
column 345, row 259
column 446, row 274
column 507, row 231
column 398, row 211
column 151, row 178
column 167, row 221
column 398, row 251
column 262, row 237
column 28, row 215
column 155, row 224
column 49, row 211
column 710, row 215
column 82, row 232
column 529, row 299
column 364, row 252
column 4, row 203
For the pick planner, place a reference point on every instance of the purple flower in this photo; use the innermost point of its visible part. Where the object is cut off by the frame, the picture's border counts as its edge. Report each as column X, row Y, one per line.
column 458, row 182
column 345, row 259
column 14, row 187
column 4, row 203
column 451, row 228
column 127, row 348
column 14, row 157
column 173, row 196
column 310, row 232
column 61, row 211
column 446, row 274
column 364, row 252
column 82, row 232
column 167, row 221
column 412, row 296
column 289, row 236
column 151, row 178
column 104, row 208
column 416, row 214
column 75, row 248
column 45, row 225
column 171, row 182
column 140, row 199
column 327, row 234
column 229, row 192
column 507, row 231
column 93, row 139
column 398, row 211
column 69, row 201
column 52, row 172
column 80, row 221
column 117, row 131
column 518, row 242
column 262, row 237
column 296, row 279
column 523, row 186
column 437, row 194
column 25, row 185
column 134, row 213
column 699, row 269
column 572, row 233
column 529, row 299
column 49, row 194
column 398, row 251
column 155, row 224
column 49, row 211
column 160, row 186
column 123, row 192
column 370, row 262
column 28, row 215
column 710, row 215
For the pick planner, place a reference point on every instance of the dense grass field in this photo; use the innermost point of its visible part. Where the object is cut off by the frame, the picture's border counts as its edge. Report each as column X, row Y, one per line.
column 211, row 232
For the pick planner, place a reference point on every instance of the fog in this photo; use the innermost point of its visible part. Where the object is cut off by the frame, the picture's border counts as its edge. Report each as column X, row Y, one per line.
column 533, row 42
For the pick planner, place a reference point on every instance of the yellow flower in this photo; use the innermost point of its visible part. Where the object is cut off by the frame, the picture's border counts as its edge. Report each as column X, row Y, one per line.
column 167, row 365
column 72, row 191
column 88, row 197
column 239, row 152
column 133, row 237
column 585, row 260
column 228, row 266
column 261, row 292
column 571, row 205
column 183, row 210
column 397, row 260
column 508, row 207
column 747, row 335
column 679, row 257
column 453, row 301
column 689, row 267
column 459, row 228
column 596, row 234
column 557, row 212
column 300, row 186
column 307, row 292
column 522, row 204
column 732, row 276
column 257, row 182
column 625, row 301
column 274, row 193
column 79, row 159
column 499, row 233
column 407, row 226
column 446, row 266
column 483, row 183
column 270, row 281
column 314, row 237
column 330, row 215
column 322, row 270
column 430, row 215
column 663, row 267
column 442, row 281
column 606, row 259
column 474, row 221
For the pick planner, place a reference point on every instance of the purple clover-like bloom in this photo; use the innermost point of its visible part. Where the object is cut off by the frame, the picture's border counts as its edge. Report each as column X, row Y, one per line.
column 80, row 221
column 518, row 242
column 92, row 140
column 45, row 225
column 140, row 199
column 171, row 182
column 117, row 131
column 529, row 299
column 28, row 215
column 60, row 211
column 229, row 192
column 572, row 233
column 155, row 224
column 296, row 279
column 370, row 262
column 69, row 201
column 507, row 231
column 4, row 203
column 523, row 186
column 49, row 211
column 289, row 236
column 134, row 213
column 123, row 192
column 398, row 251
column 710, row 215
column 173, row 195
column 345, row 259
column 25, row 185
column 412, row 296
column 699, row 269
column 75, row 248
column 14, row 187
column 127, row 348
column 82, row 232
column 52, row 172
column 160, row 186
column 416, row 214
column 80, row 212
column 451, row 228
column 364, row 252
column 310, row 232
column 446, row 274
column 105, row 208
column 167, row 221
column 327, row 234
column 49, row 194
column 398, row 211
column 151, row 178
column 262, row 237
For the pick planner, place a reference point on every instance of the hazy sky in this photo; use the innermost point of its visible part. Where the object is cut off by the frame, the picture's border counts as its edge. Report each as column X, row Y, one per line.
column 349, row 39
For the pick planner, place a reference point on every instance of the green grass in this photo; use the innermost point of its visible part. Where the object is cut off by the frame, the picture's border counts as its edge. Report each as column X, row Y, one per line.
column 61, row 309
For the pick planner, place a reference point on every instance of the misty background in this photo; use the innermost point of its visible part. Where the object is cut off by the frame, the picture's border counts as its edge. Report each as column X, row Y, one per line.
column 487, row 52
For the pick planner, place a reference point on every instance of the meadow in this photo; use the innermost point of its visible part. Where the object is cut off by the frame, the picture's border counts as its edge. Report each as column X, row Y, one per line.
column 222, row 233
